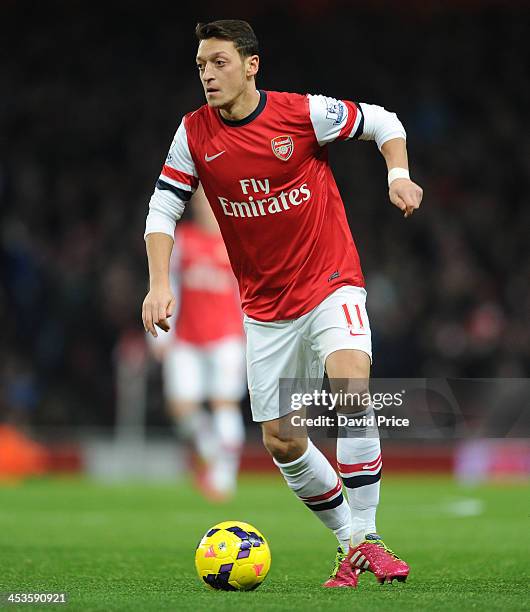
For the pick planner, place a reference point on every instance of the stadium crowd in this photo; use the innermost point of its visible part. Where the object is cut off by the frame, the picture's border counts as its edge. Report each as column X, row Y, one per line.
column 90, row 102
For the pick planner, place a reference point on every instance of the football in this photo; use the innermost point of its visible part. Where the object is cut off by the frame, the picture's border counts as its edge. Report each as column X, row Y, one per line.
column 233, row 556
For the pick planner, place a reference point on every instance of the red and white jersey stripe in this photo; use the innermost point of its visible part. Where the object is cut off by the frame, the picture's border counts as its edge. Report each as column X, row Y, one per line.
column 334, row 119
column 179, row 169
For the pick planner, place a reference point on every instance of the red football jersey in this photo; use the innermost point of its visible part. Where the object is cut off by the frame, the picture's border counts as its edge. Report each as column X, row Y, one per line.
column 208, row 300
column 270, row 186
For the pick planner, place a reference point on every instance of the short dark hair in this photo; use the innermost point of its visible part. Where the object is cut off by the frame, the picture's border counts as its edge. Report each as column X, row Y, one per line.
column 238, row 31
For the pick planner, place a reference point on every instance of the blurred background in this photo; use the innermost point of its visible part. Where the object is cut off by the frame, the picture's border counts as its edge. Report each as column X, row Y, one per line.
column 89, row 102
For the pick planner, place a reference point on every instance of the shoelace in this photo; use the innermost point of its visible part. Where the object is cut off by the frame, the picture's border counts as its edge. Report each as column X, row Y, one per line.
column 341, row 555
column 384, row 547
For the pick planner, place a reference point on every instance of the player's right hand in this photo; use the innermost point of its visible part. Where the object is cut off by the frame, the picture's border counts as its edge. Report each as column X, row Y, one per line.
column 158, row 306
column 406, row 195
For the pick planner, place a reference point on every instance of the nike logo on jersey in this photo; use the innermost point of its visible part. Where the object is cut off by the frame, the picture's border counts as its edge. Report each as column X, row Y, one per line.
column 352, row 334
column 209, row 158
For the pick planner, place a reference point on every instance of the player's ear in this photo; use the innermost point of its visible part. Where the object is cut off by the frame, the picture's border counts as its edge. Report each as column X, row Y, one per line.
column 252, row 65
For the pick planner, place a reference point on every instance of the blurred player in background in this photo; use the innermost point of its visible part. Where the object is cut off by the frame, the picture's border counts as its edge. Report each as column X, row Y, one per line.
column 262, row 159
column 203, row 360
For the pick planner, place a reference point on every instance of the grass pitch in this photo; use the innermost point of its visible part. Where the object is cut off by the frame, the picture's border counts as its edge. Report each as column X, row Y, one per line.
column 131, row 547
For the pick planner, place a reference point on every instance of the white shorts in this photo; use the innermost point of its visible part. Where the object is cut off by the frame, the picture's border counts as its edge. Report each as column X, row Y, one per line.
column 197, row 373
column 299, row 348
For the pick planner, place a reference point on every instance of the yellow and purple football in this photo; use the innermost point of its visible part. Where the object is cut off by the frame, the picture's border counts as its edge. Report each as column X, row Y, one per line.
column 233, row 556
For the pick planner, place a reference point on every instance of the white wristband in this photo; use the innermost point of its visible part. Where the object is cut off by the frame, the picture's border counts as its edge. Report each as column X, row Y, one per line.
column 396, row 173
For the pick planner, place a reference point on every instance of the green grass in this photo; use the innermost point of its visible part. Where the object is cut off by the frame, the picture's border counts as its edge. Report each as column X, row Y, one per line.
column 131, row 547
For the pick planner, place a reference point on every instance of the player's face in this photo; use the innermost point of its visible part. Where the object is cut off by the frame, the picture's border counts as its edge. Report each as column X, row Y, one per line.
column 224, row 74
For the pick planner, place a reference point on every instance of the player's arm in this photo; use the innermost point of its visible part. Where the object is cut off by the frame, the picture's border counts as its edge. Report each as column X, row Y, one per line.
column 159, row 346
column 344, row 120
column 174, row 188
column 159, row 303
column 388, row 132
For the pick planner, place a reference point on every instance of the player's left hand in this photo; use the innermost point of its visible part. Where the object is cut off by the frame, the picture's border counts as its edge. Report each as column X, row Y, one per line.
column 406, row 195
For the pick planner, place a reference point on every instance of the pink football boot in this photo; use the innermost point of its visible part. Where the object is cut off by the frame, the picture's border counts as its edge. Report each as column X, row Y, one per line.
column 343, row 574
column 374, row 556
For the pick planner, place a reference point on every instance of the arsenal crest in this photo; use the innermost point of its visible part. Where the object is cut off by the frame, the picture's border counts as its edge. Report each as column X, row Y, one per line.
column 282, row 147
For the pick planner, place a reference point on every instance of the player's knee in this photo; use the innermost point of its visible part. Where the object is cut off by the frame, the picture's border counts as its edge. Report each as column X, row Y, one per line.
column 284, row 450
